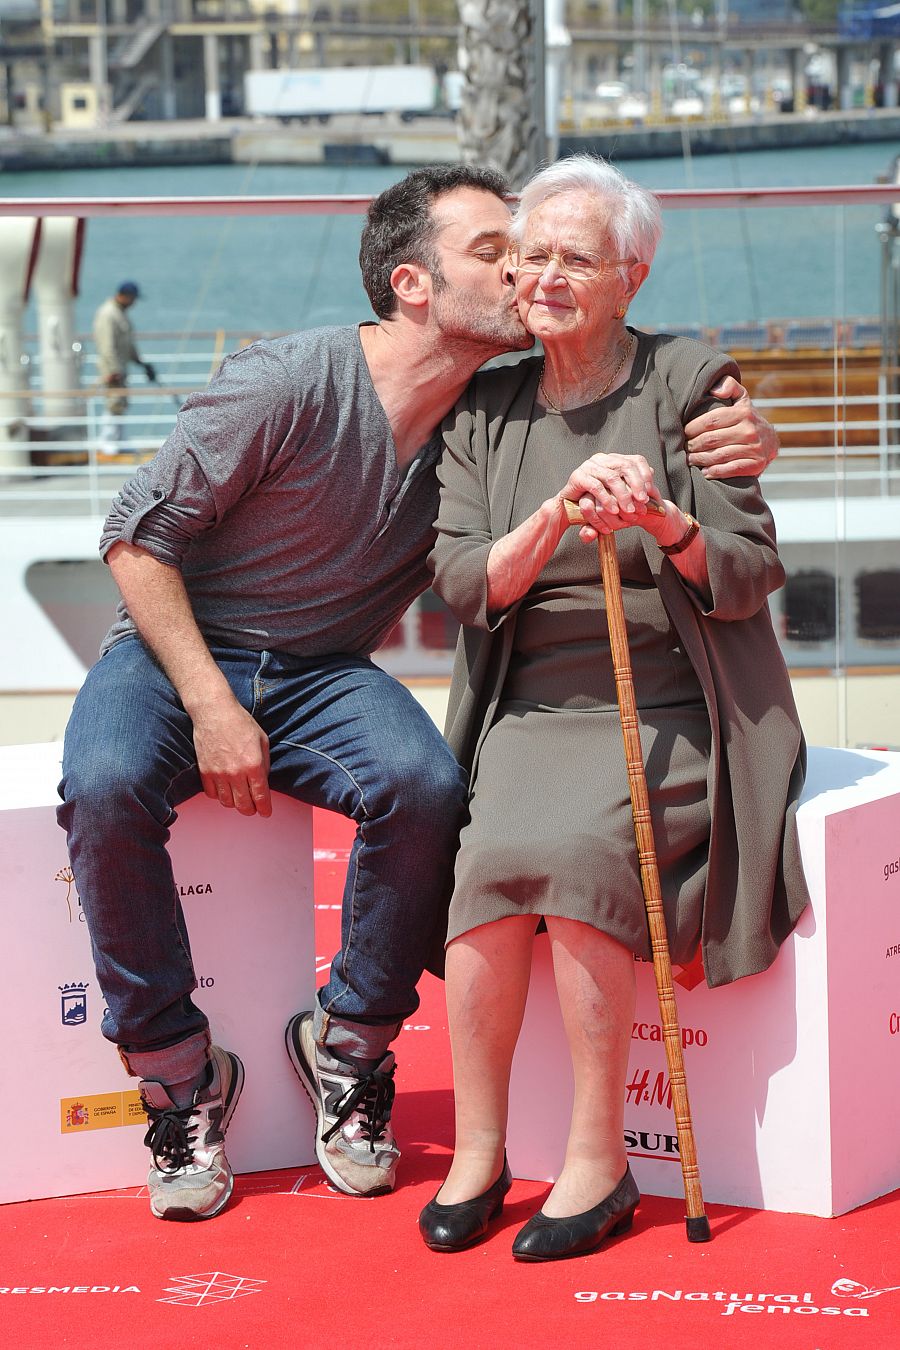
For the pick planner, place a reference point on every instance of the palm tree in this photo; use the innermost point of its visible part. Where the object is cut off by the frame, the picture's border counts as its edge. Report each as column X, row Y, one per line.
column 501, row 54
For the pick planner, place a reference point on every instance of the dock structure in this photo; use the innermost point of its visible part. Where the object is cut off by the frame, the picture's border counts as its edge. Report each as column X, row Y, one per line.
column 166, row 60
column 353, row 141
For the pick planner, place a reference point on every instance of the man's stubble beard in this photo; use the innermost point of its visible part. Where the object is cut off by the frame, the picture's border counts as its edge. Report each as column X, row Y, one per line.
column 466, row 319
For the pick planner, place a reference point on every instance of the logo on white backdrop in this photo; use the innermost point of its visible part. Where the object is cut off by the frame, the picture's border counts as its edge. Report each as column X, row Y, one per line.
column 213, row 1286
column 652, row 1031
column 195, row 888
column 77, row 1116
column 73, row 904
column 73, row 1004
column 651, row 1144
column 655, row 1092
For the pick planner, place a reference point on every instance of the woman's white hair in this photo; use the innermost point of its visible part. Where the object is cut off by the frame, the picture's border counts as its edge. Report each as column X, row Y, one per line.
column 635, row 218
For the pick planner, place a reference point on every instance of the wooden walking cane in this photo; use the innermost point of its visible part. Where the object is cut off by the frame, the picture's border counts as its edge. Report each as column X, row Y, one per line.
column 696, row 1221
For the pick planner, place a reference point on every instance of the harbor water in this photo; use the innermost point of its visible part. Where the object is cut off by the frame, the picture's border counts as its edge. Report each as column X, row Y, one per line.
column 256, row 274
column 203, row 278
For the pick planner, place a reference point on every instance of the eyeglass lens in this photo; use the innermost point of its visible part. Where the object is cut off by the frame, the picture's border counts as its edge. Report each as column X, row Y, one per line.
column 577, row 265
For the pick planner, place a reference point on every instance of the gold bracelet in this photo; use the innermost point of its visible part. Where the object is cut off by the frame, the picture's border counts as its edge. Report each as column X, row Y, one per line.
column 690, row 534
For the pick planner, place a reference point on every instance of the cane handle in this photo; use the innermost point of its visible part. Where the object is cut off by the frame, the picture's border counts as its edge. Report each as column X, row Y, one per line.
column 573, row 511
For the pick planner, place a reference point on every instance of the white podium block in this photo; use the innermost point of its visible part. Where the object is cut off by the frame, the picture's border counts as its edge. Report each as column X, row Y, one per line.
column 794, row 1074
column 72, row 1121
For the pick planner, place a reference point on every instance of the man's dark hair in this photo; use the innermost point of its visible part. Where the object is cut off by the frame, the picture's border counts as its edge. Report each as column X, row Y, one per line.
column 399, row 226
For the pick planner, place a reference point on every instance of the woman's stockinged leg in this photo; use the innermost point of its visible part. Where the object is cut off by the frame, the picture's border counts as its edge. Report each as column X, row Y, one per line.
column 596, row 987
column 487, row 976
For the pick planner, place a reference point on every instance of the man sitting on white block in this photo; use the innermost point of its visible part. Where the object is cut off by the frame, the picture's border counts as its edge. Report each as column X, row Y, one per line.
column 270, row 546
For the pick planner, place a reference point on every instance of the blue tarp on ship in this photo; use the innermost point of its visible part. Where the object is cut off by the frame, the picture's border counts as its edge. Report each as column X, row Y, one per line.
column 869, row 21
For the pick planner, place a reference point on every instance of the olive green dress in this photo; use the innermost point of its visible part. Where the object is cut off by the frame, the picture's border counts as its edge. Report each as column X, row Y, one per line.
column 551, row 829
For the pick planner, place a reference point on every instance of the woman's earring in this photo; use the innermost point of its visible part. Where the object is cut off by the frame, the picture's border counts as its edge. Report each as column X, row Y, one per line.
column 621, row 311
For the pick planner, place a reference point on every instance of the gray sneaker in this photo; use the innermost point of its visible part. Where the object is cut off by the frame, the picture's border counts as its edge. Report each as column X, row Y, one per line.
column 190, row 1177
column 355, row 1145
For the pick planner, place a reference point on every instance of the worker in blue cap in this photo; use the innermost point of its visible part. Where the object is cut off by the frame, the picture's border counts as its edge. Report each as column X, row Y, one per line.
column 114, row 338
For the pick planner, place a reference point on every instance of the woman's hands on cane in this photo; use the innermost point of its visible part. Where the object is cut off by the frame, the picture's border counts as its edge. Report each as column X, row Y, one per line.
column 614, row 492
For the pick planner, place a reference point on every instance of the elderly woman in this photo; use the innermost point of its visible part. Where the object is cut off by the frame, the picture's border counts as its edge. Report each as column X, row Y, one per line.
column 533, row 712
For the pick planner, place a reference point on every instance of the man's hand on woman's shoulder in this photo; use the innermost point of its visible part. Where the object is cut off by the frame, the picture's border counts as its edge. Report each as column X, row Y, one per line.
column 732, row 440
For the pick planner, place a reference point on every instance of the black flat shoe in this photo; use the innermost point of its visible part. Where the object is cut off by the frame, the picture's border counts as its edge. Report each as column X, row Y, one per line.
column 451, row 1228
column 544, row 1239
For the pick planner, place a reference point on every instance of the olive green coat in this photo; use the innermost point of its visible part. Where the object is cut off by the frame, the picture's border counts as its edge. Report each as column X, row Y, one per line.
column 755, row 887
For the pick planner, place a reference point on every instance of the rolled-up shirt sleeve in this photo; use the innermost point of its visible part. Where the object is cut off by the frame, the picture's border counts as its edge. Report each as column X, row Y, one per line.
column 226, row 440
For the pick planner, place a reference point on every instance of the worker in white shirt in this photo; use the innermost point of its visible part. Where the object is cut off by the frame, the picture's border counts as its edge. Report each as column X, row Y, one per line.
column 114, row 338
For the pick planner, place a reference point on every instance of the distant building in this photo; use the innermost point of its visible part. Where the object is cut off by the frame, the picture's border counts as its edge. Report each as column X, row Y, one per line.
column 763, row 11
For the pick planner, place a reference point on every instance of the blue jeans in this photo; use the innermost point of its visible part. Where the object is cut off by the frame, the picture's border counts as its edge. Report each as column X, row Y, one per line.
column 342, row 735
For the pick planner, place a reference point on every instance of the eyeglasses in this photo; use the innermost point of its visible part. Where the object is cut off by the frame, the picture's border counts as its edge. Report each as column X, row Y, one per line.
column 580, row 266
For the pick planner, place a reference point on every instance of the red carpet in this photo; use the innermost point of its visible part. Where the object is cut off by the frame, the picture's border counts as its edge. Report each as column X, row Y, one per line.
column 290, row 1263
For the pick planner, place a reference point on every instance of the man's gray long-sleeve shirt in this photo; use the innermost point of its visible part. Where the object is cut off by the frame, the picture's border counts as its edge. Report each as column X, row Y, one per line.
column 279, row 499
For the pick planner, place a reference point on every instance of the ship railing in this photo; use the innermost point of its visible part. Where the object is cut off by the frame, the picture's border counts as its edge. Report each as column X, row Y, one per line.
column 828, row 380
column 85, row 456
column 192, row 359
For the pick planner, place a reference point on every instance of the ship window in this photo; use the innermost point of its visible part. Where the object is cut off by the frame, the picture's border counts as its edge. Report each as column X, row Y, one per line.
column 437, row 627
column 809, row 606
column 878, row 605
column 394, row 638
column 79, row 598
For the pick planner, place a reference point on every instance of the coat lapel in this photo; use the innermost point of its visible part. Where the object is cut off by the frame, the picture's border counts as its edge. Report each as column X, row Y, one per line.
column 506, row 448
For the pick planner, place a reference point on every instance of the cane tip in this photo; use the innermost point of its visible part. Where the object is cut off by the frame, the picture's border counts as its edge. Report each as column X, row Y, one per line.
column 698, row 1229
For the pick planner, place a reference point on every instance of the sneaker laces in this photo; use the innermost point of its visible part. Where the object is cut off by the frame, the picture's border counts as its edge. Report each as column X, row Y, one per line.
column 171, row 1137
column 371, row 1098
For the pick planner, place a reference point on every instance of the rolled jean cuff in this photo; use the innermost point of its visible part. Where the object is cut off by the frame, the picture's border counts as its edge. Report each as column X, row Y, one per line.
column 181, row 1063
column 354, row 1039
